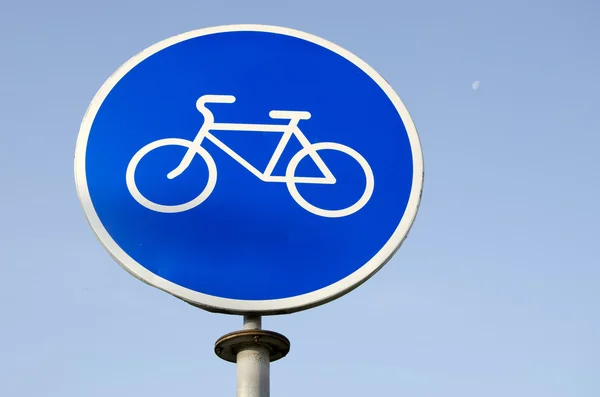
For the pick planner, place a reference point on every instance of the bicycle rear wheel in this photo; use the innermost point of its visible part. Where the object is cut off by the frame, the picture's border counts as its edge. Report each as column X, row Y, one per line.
column 291, row 184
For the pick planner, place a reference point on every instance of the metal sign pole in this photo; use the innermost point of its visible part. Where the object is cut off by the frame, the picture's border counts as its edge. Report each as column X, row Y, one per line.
column 253, row 365
column 252, row 349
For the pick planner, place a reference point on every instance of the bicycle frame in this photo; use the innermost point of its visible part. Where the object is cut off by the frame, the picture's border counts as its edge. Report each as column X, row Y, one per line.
column 289, row 130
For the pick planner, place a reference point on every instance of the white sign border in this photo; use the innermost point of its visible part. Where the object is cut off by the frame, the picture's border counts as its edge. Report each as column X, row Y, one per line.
column 236, row 306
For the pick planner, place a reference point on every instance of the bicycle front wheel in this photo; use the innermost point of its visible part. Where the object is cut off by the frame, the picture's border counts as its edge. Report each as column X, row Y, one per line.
column 139, row 197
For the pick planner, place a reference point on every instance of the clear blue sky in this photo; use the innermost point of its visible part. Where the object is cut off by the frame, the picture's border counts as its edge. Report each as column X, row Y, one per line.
column 495, row 293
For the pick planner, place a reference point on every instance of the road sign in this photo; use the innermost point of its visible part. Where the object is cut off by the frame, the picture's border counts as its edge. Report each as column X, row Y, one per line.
column 249, row 169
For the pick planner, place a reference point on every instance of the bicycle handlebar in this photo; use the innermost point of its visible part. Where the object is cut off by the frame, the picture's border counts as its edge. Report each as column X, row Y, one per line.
column 204, row 99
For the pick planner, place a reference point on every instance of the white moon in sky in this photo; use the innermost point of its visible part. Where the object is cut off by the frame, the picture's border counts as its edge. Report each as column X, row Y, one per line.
column 475, row 85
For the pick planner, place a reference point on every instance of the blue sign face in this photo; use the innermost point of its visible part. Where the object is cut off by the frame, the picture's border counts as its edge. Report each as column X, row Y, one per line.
column 249, row 169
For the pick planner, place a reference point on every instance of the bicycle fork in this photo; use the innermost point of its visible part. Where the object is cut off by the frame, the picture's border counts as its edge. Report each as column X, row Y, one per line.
column 190, row 153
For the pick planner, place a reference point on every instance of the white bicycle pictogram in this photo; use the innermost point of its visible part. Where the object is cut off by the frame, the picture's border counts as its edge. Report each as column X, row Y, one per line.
column 291, row 129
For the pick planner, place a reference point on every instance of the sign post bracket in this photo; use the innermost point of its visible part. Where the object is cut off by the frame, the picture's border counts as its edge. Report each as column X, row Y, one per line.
column 252, row 349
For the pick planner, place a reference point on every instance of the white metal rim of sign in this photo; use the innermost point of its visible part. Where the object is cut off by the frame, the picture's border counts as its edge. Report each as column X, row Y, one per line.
column 235, row 306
